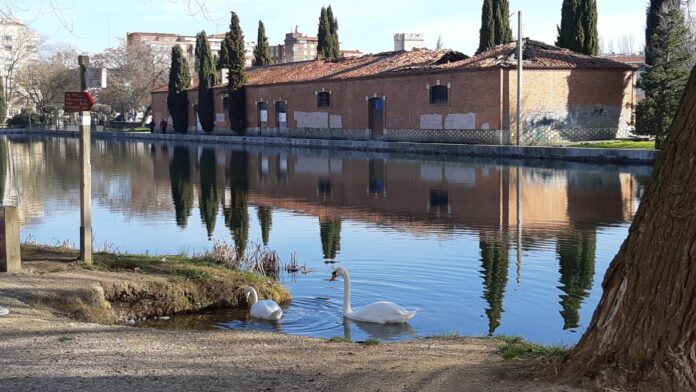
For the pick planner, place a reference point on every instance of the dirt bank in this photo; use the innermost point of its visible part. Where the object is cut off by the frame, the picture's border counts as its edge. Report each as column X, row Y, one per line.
column 43, row 349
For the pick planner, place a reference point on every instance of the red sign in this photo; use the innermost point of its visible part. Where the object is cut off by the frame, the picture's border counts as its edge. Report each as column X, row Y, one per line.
column 78, row 102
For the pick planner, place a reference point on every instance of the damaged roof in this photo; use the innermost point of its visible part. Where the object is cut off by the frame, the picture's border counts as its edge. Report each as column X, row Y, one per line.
column 537, row 56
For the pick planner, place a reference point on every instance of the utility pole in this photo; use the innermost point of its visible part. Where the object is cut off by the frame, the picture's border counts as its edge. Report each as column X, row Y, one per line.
column 86, row 170
column 520, row 58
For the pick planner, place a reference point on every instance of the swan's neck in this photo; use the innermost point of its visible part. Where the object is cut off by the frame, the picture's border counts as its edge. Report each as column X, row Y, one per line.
column 253, row 297
column 346, row 294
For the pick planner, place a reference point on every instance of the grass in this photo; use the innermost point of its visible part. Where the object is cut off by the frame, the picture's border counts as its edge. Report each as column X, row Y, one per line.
column 338, row 339
column 516, row 347
column 64, row 339
column 620, row 144
column 370, row 342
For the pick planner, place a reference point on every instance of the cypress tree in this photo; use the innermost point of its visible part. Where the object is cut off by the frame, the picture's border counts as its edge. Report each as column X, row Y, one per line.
column 565, row 30
column 665, row 77
column 503, row 33
column 487, row 35
column 197, row 55
column 324, row 44
column 177, row 97
column 578, row 29
column 206, row 82
column 495, row 24
column 3, row 103
column 236, row 76
column 653, row 20
column 590, row 44
column 262, row 52
column 333, row 34
column 223, row 60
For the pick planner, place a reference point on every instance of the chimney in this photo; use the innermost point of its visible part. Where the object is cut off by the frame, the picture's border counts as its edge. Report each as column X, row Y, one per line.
column 222, row 76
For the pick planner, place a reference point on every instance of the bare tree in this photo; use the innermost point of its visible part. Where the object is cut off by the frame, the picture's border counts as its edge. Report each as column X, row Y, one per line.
column 134, row 71
column 439, row 45
column 19, row 51
column 627, row 43
column 45, row 82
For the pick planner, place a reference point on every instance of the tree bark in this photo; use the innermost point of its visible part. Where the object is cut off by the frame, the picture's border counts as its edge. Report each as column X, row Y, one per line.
column 643, row 333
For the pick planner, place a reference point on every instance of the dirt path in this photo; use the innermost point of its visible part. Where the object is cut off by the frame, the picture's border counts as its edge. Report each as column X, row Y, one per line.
column 41, row 350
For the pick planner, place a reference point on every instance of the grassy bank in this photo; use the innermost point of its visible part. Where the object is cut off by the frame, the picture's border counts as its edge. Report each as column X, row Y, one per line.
column 620, row 144
column 119, row 287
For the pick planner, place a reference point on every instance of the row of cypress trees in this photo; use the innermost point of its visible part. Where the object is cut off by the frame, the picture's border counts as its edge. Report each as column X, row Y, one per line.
column 577, row 31
column 232, row 56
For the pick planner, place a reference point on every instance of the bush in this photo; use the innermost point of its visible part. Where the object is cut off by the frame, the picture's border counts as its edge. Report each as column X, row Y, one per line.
column 22, row 120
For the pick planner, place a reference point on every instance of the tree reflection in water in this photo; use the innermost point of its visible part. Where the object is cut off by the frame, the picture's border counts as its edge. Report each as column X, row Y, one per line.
column 182, row 188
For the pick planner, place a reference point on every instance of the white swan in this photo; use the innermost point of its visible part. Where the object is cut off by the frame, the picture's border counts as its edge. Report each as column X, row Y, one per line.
column 381, row 312
column 267, row 310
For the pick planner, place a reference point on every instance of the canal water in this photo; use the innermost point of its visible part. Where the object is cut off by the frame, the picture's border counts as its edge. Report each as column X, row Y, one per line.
column 478, row 246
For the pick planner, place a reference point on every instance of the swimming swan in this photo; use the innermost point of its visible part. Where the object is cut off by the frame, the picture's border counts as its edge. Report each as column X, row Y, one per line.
column 267, row 310
column 381, row 312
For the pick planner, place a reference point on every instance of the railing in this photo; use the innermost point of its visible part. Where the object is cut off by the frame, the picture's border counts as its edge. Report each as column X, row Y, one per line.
column 556, row 137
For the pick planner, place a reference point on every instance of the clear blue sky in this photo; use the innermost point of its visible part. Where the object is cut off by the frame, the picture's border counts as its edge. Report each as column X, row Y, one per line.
column 367, row 25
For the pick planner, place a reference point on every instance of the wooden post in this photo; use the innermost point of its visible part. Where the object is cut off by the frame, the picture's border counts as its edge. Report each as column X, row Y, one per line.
column 10, row 259
column 86, row 177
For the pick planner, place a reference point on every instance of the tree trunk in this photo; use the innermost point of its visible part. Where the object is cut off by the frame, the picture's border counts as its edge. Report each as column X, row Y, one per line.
column 643, row 333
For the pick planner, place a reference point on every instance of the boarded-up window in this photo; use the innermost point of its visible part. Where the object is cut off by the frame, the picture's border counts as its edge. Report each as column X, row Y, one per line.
column 324, row 100
column 438, row 95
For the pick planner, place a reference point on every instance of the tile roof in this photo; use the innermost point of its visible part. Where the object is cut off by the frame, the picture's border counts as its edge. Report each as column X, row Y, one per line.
column 346, row 68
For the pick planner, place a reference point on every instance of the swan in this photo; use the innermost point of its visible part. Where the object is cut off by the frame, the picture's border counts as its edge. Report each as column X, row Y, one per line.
column 381, row 312
column 267, row 310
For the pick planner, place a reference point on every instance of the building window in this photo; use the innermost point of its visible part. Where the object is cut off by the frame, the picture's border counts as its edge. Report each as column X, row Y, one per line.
column 8, row 38
column 439, row 95
column 324, row 100
column 8, row 48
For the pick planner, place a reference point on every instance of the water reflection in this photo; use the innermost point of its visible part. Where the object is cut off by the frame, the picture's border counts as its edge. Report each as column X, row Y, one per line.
column 208, row 199
column 182, row 188
column 330, row 232
column 265, row 216
column 389, row 215
column 576, row 257
column 386, row 332
column 236, row 208
column 494, row 263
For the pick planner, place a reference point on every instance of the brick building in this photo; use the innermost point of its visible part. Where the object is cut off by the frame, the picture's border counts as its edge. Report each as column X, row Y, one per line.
column 432, row 95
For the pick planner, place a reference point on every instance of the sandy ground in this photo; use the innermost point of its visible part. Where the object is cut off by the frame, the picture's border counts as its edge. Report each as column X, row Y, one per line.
column 44, row 351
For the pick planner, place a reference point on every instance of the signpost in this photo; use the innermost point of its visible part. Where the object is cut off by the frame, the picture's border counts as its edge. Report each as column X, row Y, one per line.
column 85, row 163
column 95, row 77
column 78, row 102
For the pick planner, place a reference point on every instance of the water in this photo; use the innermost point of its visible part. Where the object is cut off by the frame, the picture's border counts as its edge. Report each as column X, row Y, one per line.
column 479, row 246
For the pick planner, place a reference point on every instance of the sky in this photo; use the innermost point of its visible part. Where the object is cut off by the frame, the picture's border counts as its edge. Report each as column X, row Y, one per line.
column 365, row 25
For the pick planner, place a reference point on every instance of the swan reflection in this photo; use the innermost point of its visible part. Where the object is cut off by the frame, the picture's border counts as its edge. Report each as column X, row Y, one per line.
column 378, row 331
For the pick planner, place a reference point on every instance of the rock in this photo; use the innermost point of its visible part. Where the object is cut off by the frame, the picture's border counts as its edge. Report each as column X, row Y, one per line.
column 4, row 312
column 165, row 318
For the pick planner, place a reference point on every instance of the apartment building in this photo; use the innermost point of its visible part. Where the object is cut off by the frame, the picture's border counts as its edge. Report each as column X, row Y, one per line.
column 19, row 48
column 186, row 42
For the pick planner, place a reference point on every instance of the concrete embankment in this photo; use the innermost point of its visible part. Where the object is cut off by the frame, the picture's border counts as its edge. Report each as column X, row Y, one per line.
column 595, row 155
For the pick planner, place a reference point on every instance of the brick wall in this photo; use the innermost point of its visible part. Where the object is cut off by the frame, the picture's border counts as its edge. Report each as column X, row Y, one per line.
column 480, row 100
